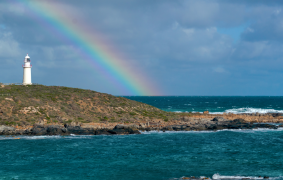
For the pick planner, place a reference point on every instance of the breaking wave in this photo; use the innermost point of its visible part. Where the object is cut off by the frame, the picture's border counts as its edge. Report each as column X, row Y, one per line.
column 218, row 176
column 249, row 110
column 221, row 177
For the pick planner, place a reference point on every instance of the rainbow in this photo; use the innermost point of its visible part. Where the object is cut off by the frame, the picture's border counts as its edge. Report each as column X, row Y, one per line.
column 89, row 44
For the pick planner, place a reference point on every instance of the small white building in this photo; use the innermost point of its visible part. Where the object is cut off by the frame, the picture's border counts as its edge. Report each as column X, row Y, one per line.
column 27, row 71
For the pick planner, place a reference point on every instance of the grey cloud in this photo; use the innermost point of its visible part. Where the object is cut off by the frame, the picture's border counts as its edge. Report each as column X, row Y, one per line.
column 177, row 43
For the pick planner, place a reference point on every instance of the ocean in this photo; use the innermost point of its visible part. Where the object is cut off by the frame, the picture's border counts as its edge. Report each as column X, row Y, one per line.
column 153, row 155
column 214, row 104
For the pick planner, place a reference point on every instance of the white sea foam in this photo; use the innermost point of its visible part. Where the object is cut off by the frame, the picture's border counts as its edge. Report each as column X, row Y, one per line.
column 44, row 137
column 218, row 176
column 240, row 111
column 173, row 132
column 29, row 137
column 221, row 177
column 142, row 132
column 206, row 131
column 251, row 130
column 249, row 110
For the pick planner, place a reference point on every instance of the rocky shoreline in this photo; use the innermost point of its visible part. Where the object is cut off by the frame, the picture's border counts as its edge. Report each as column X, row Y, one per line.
column 185, row 124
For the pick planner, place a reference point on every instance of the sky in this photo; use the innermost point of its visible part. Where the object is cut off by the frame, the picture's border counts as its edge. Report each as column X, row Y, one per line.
column 181, row 47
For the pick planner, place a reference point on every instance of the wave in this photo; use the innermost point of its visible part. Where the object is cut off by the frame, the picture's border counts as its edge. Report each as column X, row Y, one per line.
column 249, row 110
column 238, row 111
column 218, row 176
column 206, row 131
column 142, row 132
column 45, row 137
column 221, row 177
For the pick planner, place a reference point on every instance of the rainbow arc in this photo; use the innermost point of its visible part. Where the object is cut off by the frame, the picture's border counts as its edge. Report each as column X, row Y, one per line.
column 89, row 44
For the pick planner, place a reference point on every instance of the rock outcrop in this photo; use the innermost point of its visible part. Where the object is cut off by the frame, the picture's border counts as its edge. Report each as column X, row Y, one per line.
column 7, row 130
column 191, row 124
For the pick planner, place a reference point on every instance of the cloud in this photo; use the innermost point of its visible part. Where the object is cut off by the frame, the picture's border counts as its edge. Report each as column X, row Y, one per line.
column 9, row 47
column 182, row 45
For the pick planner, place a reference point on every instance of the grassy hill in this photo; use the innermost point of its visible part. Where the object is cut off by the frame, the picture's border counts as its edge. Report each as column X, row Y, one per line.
column 26, row 105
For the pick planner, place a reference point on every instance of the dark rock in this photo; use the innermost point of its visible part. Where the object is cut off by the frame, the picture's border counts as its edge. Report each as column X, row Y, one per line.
column 177, row 128
column 120, row 126
column 117, row 131
column 102, row 132
column 78, row 130
column 27, row 132
column 167, row 128
column 269, row 126
column 275, row 114
column 54, row 130
column 19, row 132
column 64, row 130
column 38, row 132
column 200, row 128
column 188, row 129
column 212, row 127
column 133, row 131
column 38, row 129
column 125, row 130
column 218, row 118
column 239, row 121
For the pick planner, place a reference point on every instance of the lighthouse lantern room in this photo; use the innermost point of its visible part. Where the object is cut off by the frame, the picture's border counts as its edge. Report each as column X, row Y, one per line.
column 27, row 71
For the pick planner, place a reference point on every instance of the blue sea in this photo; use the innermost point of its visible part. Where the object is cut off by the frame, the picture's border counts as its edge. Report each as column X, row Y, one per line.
column 215, row 104
column 153, row 155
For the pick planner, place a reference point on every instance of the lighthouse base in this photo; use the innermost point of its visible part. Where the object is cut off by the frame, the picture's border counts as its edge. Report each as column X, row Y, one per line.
column 27, row 76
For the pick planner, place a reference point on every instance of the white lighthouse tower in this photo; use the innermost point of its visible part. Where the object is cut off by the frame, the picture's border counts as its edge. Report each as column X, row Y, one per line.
column 27, row 71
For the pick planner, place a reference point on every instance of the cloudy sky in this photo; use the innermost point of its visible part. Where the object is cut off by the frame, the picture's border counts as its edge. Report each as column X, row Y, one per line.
column 184, row 47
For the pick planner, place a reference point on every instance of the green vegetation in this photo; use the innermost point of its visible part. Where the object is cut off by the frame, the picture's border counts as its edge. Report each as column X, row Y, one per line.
column 26, row 105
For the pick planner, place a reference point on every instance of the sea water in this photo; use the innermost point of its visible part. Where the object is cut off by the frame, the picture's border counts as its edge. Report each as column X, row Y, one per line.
column 150, row 156
column 154, row 155
column 215, row 104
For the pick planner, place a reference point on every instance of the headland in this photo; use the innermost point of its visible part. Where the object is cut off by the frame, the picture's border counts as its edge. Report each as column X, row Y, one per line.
column 55, row 110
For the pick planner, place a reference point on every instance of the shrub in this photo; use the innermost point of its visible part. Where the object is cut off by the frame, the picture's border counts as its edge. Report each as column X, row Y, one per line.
column 120, row 112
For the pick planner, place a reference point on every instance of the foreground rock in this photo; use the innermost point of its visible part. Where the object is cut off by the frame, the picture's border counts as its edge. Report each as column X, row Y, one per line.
column 40, row 130
column 217, row 123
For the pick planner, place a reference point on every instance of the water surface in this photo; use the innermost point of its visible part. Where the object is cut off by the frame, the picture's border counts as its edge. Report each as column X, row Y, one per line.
column 150, row 156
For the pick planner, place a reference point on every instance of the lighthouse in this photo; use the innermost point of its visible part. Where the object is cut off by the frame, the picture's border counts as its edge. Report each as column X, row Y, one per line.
column 27, row 71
